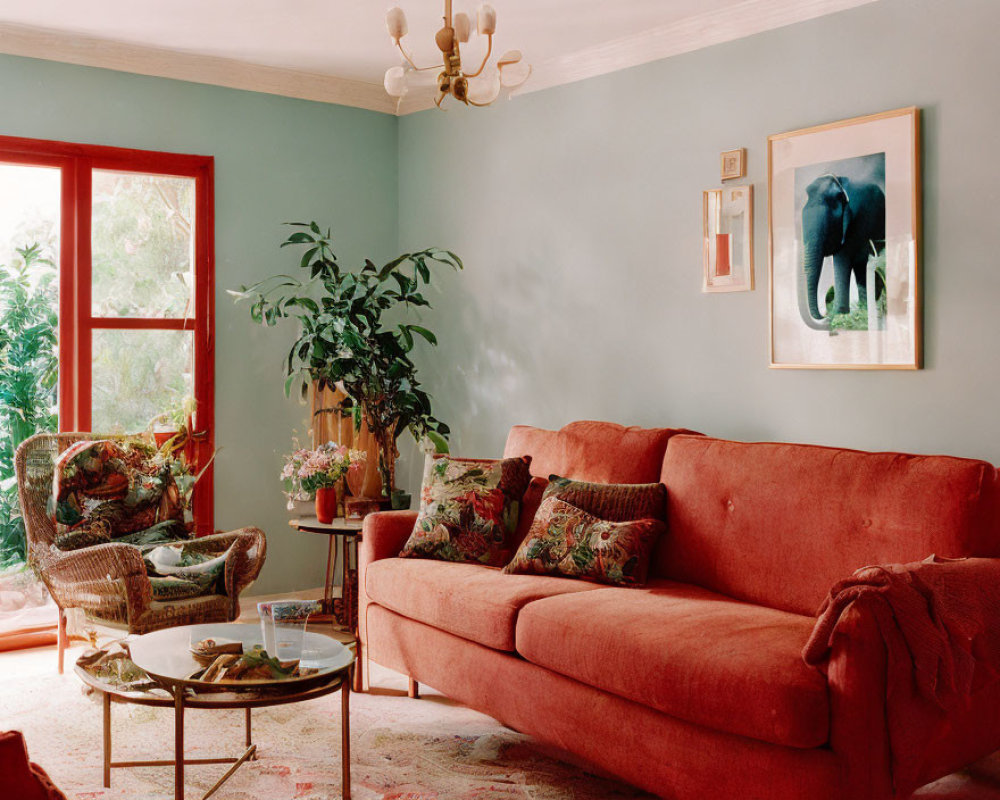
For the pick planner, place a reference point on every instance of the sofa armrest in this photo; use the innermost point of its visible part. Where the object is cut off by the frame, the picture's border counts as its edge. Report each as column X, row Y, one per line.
column 912, row 657
column 383, row 535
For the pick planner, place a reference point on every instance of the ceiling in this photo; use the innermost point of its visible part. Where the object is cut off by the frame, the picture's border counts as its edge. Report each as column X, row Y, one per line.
column 338, row 50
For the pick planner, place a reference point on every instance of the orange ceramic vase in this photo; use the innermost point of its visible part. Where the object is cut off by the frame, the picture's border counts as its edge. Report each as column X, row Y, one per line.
column 326, row 504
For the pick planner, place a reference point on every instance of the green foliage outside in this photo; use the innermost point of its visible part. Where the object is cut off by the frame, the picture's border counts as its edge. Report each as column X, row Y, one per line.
column 857, row 318
column 348, row 336
column 28, row 371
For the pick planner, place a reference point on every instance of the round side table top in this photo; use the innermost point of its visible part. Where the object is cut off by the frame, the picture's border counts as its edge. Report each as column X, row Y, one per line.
column 339, row 527
column 166, row 657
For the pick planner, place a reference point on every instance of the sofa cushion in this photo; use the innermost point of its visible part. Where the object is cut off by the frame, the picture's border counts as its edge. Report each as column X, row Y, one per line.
column 469, row 510
column 565, row 540
column 780, row 524
column 687, row 652
column 618, row 502
column 593, row 451
column 468, row 600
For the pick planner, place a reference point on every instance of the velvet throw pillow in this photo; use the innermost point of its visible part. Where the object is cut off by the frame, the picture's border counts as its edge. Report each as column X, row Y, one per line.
column 469, row 510
column 618, row 502
column 565, row 540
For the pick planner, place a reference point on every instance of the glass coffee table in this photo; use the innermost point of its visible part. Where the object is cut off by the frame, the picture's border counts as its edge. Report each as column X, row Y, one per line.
column 165, row 656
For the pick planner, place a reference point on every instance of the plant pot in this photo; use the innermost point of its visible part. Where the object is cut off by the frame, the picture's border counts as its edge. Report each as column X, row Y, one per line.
column 401, row 500
column 326, row 504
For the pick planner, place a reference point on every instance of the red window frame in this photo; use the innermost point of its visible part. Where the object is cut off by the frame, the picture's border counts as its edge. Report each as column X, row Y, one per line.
column 76, row 321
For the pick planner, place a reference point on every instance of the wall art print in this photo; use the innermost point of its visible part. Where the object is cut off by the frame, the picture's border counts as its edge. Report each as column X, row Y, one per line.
column 727, row 229
column 843, row 234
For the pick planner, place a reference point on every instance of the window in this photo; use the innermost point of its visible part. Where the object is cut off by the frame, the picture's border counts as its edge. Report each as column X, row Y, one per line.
column 133, row 243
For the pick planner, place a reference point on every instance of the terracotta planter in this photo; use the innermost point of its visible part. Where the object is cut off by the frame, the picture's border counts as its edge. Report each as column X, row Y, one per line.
column 326, row 504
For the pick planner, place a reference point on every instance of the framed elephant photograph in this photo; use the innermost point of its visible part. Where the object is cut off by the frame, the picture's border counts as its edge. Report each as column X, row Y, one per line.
column 843, row 241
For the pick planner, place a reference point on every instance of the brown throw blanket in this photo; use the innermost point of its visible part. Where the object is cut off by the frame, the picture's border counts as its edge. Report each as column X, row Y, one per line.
column 940, row 621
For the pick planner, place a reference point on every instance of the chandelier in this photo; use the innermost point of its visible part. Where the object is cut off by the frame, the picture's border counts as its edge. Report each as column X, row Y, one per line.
column 478, row 88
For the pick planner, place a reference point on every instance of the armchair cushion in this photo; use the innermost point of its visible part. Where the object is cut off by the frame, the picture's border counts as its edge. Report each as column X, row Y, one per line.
column 110, row 489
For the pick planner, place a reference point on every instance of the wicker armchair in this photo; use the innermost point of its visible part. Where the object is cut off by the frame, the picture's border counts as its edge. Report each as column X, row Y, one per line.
column 108, row 581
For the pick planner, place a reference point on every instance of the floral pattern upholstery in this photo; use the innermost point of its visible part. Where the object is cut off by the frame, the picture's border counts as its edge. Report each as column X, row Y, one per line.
column 103, row 490
column 565, row 540
column 469, row 510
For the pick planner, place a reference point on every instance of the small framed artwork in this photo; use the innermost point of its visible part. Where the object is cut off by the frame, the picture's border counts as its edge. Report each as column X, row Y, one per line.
column 734, row 164
column 844, row 240
column 728, row 245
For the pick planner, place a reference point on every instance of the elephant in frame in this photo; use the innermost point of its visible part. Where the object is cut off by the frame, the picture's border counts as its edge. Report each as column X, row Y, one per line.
column 843, row 217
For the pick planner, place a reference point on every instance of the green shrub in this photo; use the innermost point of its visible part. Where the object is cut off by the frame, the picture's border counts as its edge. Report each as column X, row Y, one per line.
column 28, row 370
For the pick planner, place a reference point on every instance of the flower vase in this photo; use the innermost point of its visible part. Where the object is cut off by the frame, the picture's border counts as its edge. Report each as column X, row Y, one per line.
column 326, row 504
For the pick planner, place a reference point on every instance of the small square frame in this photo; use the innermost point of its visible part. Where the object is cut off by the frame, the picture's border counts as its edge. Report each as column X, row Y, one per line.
column 733, row 164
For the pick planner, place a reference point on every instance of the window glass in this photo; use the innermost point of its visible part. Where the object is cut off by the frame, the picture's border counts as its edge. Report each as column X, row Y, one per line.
column 142, row 243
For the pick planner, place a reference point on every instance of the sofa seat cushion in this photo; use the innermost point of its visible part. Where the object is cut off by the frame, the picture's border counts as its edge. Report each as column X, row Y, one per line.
column 688, row 652
column 467, row 600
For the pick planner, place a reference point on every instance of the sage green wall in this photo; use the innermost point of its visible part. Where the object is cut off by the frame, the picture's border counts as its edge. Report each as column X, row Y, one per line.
column 276, row 159
column 578, row 213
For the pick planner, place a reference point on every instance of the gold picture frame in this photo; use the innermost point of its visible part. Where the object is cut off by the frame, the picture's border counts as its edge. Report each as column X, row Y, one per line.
column 844, row 227
column 733, row 164
column 727, row 229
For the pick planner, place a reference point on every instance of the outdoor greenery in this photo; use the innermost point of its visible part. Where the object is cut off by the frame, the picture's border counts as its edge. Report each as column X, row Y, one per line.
column 28, row 371
column 346, row 338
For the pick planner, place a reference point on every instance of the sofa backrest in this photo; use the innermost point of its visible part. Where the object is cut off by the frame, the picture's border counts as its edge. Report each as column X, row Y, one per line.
column 604, row 452
column 779, row 524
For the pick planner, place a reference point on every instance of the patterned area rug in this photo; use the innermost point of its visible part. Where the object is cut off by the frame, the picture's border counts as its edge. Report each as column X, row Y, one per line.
column 403, row 749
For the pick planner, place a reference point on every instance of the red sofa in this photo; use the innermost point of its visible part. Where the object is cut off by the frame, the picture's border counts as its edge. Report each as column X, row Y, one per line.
column 694, row 687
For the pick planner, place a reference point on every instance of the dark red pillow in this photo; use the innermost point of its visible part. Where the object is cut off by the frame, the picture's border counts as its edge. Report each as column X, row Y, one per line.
column 20, row 778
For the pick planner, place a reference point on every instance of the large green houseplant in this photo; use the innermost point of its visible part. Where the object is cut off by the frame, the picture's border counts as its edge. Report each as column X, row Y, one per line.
column 354, row 335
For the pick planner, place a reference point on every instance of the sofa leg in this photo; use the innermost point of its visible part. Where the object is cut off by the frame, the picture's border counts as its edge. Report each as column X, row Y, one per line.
column 413, row 690
column 62, row 638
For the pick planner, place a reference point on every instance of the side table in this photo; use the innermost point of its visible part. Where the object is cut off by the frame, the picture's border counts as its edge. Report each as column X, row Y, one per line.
column 344, row 535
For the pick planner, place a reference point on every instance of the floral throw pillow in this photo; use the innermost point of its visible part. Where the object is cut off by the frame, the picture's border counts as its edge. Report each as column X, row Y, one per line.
column 469, row 510
column 109, row 490
column 565, row 540
column 617, row 502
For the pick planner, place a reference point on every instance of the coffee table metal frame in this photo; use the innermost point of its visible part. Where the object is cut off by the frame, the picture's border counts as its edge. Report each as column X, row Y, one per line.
column 181, row 698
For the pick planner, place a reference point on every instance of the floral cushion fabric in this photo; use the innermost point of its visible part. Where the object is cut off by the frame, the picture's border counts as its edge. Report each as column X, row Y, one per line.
column 565, row 540
column 108, row 490
column 469, row 510
column 618, row 502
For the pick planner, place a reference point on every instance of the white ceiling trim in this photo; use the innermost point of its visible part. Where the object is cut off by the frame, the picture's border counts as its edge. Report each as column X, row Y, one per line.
column 693, row 33
column 22, row 40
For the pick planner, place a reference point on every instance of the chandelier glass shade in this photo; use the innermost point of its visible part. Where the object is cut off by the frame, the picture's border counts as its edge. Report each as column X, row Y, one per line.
column 479, row 87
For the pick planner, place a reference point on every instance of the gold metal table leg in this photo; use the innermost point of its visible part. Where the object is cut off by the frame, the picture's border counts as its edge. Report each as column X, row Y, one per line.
column 107, row 740
column 345, row 735
column 331, row 560
column 178, row 742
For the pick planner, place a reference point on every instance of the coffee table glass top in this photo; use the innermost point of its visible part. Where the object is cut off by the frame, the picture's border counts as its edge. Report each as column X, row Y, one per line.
column 166, row 654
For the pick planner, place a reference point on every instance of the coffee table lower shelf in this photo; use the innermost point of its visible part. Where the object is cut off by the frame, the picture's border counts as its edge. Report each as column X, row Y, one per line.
column 182, row 699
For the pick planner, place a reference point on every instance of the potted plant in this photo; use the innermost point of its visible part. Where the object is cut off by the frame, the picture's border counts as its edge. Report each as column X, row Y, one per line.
column 319, row 472
column 354, row 335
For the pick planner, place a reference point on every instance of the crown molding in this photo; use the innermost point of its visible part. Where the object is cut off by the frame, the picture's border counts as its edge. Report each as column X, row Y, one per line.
column 692, row 33
column 22, row 40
